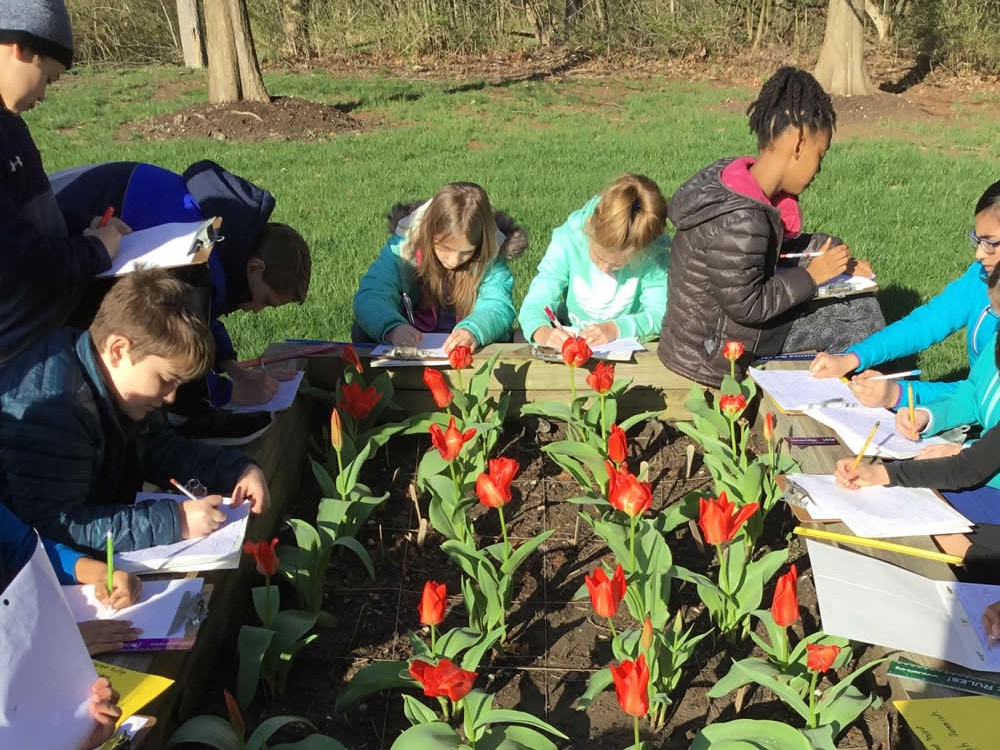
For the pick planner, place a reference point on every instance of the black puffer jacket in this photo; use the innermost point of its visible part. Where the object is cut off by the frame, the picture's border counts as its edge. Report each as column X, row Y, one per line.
column 722, row 282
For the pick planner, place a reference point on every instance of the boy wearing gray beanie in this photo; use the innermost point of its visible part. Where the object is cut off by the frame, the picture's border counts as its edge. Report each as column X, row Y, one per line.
column 43, row 271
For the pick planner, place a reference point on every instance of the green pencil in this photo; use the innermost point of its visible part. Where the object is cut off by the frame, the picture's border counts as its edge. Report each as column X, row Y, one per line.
column 111, row 562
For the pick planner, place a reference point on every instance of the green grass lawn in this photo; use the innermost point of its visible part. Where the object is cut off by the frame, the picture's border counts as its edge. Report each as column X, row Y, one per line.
column 541, row 149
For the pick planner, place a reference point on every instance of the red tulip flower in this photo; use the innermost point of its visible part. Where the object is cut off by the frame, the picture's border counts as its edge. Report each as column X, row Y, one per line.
column 336, row 430
column 632, row 686
column 263, row 555
column 732, row 350
column 821, row 658
column 719, row 519
column 606, row 593
column 733, row 404
column 444, row 680
column 449, row 442
column 460, row 357
column 617, row 445
column 433, row 603
column 576, row 351
column 434, row 380
column 493, row 488
column 358, row 401
column 351, row 357
column 785, row 606
column 626, row 493
column 602, row 378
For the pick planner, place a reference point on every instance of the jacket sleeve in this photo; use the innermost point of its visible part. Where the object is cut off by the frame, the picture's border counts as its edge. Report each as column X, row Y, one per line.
column 63, row 559
column 18, row 543
column 50, row 456
column 167, row 455
column 376, row 304
column 224, row 349
column 925, row 391
column 645, row 323
column 735, row 260
column 493, row 313
column 954, row 409
column 975, row 465
column 549, row 284
column 933, row 321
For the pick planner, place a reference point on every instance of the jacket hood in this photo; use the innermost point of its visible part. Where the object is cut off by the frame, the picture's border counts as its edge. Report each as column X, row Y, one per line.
column 704, row 197
column 512, row 241
column 245, row 209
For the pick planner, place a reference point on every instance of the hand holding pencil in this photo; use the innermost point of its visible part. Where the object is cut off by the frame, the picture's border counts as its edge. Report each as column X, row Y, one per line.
column 854, row 477
column 911, row 422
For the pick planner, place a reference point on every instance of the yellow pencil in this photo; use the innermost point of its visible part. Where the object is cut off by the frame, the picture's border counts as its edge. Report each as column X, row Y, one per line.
column 909, row 395
column 868, row 440
column 862, row 541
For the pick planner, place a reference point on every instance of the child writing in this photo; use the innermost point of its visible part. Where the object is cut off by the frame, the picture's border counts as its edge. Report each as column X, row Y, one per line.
column 605, row 270
column 81, row 427
column 43, row 269
column 734, row 219
column 964, row 302
column 443, row 270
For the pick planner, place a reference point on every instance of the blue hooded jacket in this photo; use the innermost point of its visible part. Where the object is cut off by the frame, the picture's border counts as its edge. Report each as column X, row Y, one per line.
column 17, row 545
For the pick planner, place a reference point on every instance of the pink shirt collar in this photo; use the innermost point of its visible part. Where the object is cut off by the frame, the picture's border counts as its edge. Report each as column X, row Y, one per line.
column 736, row 176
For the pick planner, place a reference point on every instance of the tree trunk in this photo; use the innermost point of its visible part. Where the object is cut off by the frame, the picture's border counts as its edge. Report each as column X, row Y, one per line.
column 223, row 70
column 251, row 81
column 882, row 21
column 189, row 23
column 841, row 66
column 601, row 13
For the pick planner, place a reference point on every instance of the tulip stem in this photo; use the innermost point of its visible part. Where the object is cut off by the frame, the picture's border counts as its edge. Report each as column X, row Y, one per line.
column 723, row 552
column 340, row 473
column 732, row 433
column 503, row 530
column 267, row 602
column 635, row 727
column 631, row 541
column 433, row 641
column 461, row 385
column 783, row 648
column 604, row 428
column 614, row 633
column 812, row 700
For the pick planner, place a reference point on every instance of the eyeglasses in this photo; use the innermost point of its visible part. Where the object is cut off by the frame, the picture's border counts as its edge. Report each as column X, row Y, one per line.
column 989, row 246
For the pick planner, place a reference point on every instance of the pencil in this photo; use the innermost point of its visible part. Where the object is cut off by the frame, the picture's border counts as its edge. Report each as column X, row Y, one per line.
column 799, row 255
column 108, row 213
column 868, row 440
column 183, row 489
column 909, row 395
column 111, row 562
column 896, row 375
column 552, row 317
column 862, row 541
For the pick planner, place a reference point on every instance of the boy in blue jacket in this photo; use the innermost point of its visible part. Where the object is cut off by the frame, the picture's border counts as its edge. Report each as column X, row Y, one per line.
column 44, row 270
column 258, row 264
column 81, row 427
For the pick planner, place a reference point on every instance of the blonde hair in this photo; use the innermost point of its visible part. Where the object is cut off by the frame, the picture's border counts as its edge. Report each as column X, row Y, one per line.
column 460, row 209
column 149, row 307
column 631, row 214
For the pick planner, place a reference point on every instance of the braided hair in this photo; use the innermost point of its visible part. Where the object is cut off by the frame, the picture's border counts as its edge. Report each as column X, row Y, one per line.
column 790, row 98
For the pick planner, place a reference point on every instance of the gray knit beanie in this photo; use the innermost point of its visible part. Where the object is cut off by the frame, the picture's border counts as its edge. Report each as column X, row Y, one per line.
column 41, row 25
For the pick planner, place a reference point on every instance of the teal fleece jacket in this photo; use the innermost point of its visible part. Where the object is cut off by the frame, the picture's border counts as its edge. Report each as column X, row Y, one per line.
column 975, row 400
column 378, row 301
column 963, row 303
column 634, row 298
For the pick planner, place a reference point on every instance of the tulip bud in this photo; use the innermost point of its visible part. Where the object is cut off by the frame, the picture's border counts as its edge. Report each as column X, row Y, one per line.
column 647, row 634
column 336, row 431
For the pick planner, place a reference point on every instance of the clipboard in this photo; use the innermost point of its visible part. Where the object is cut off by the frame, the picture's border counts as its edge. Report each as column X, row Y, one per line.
column 171, row 245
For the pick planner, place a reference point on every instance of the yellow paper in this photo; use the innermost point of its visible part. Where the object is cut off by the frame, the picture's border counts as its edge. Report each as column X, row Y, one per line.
column 966, row 723
column 136, row 688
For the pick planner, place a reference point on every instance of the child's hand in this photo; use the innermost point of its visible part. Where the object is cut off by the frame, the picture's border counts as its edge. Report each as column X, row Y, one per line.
column 201, row 517
column 908, row 429
column 883, row 393
column 252, row 486
column 832, row 365
column 551, row 337
column 110, row 235
column 460, row 337
column 283, row 374
column 858, row 267
column 404, row 335
column 104, row 710
column 832, row 262
column 938, row 451
column 864, row 475
column 126, row 592
column 252, row 387
column 106, row 636
column 599, row 333
column 991, row 622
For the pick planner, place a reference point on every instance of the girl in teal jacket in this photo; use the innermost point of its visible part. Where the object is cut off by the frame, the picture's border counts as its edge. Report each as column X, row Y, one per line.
column 605, row 271
column 443, row 270
column 963, row 303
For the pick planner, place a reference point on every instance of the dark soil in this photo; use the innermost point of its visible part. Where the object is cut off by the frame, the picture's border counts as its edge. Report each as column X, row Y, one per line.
column 554, row 643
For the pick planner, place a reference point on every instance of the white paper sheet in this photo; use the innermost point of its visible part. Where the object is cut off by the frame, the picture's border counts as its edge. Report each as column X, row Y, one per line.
column 880, row 512
column 619, row 350
column 284, row 398
column 155, row 612
column 220, row 550
column 852, row 425
column 795, row 390
column 162, row 246
column 870, row 600
column 45, row 672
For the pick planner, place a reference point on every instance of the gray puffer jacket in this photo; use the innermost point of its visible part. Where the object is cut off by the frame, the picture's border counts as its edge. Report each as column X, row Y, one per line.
column 722, row 280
